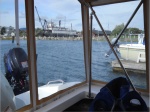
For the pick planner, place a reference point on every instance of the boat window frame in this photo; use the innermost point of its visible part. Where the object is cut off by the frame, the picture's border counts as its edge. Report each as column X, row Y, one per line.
column 146, row 28
column 31, row 44
column 29, row 6
column 146, row 14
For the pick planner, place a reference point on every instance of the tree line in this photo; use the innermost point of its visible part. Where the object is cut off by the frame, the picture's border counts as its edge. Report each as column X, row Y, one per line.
column 115, row 31
column 128, row 31
column 22, row 32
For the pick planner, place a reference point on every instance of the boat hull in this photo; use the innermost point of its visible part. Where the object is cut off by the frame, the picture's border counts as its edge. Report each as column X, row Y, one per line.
column 132, row 52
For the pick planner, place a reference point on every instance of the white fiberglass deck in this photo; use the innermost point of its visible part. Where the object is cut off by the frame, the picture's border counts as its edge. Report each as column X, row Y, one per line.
column 43, row 91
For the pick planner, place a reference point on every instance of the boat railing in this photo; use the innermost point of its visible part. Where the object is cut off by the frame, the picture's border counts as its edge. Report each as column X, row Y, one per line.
column 55, row 81
column 140, row 57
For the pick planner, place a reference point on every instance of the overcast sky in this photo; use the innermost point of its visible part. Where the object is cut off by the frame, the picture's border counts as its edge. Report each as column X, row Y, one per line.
column 69, row 12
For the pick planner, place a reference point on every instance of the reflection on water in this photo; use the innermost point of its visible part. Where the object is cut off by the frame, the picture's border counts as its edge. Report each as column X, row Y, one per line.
column 65, row 60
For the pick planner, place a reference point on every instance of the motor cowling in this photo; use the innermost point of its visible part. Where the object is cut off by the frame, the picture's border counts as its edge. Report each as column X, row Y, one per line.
column 16, row 68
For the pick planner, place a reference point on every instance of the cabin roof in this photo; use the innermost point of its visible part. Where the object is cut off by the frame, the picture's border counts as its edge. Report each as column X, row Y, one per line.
column 103, row 2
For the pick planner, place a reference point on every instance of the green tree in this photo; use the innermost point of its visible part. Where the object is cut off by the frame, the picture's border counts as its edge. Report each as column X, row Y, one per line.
column 3, row 30
column 22, row 33
column 117, row 29
column 128, row 31
column 38, row 31
column 133, row 31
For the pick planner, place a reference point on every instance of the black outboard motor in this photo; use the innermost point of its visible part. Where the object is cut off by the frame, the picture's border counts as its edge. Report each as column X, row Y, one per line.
column 16, row 68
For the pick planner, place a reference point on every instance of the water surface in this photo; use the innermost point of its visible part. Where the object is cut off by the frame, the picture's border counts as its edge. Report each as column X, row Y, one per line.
column 62, row 59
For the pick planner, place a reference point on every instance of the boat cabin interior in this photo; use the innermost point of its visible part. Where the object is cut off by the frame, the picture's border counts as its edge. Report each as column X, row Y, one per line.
column 75, row 95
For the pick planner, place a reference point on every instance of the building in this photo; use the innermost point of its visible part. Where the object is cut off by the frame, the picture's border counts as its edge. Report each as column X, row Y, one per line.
column 100, row 33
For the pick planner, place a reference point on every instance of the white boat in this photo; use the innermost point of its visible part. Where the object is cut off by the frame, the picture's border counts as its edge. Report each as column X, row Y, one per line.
column 60, row 31
column 133, row 52
column 51, row 29
column 60, row 96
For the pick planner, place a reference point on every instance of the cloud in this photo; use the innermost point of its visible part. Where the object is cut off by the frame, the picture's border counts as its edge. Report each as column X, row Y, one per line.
column 69, row 12
column 57, row 8
column 22, row 15
column 115, row 14
column 4, row 12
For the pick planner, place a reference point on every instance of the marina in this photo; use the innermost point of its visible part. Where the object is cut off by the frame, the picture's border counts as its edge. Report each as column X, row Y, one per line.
column 41, row 75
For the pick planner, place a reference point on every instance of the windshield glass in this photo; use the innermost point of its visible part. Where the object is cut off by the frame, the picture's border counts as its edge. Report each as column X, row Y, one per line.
column 130, row 47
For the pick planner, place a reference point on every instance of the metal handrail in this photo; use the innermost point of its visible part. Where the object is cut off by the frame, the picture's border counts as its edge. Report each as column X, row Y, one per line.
column 59, row 80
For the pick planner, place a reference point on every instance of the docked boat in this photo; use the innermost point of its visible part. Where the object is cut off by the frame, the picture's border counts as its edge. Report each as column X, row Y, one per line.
column 133, row 52
column 52, row 30
column 89, row 95
column 55, row 31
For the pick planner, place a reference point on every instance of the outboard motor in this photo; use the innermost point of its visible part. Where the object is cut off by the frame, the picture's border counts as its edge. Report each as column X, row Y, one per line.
column 16, row 68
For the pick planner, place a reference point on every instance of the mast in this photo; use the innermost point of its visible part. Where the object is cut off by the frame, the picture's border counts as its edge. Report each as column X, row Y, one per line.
column 17, row 22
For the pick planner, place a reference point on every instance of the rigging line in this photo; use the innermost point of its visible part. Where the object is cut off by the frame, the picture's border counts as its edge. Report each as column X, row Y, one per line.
column 126, row 74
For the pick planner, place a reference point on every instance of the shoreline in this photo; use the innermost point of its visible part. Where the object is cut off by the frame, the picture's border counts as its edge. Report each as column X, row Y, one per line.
column 99, row 38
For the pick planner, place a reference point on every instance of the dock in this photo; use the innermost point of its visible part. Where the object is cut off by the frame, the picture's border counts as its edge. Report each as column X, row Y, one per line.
column 129, row 66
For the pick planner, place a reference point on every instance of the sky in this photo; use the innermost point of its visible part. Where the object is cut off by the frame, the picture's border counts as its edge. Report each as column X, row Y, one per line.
column 69, row 12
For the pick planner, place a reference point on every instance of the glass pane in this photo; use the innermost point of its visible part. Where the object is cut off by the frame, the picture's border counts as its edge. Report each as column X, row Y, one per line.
column 130, row 49
column 59, row 47
column 13, row 58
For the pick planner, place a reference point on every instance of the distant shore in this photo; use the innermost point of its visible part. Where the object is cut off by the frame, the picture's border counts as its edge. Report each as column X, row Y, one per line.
column 98, row 38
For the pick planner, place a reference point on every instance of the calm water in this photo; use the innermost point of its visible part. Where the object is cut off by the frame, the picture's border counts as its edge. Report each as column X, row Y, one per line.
column 65, row 60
